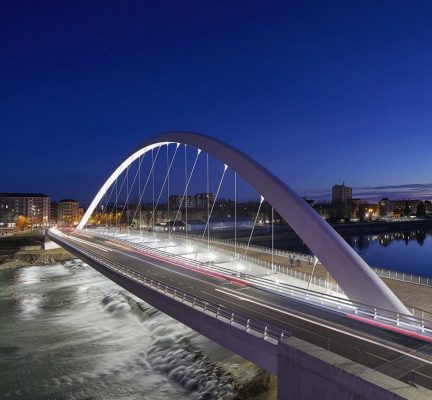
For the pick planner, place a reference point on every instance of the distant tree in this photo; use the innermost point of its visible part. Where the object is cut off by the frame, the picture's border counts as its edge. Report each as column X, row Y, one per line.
column 407, row 210
column 421, row 210
column 21, row 223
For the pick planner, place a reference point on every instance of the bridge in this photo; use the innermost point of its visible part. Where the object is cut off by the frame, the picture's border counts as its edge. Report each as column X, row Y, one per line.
column 321, row 338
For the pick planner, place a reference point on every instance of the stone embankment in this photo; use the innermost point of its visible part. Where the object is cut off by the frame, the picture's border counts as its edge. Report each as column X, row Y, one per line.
column 36, row 257
column 25, row 249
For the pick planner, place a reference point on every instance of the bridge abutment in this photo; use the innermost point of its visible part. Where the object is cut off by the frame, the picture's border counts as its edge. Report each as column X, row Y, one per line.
column 308, row 372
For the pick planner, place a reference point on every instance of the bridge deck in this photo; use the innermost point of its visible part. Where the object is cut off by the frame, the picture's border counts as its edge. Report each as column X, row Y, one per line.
column 346, row 336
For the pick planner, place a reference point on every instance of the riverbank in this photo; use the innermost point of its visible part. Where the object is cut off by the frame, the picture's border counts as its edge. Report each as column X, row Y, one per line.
column 26, row 249
column 382, row 226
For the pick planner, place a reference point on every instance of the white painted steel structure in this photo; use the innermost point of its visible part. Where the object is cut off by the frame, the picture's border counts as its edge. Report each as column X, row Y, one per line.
column 353, row 274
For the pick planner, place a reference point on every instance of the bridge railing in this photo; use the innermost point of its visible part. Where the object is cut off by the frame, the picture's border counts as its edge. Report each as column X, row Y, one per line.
column 284, row 269
column 263, row 249
column 294, row 256
column 274, row 268
column 419, row 322
column 256, row 327
column 403, row 276
column 412, row 323
column 250, row 325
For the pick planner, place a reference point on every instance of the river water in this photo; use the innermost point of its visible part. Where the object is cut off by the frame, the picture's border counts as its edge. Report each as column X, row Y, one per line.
column 67, row 332
column 407, row 251
column 404, row 251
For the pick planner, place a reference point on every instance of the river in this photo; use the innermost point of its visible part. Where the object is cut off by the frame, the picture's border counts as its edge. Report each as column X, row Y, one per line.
column 407, row 251
column 67, row 332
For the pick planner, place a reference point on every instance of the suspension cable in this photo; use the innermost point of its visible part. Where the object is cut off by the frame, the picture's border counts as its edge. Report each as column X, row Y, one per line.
column 186, row 178
column 139, row 191
column 208, row 202
column 100, row 205
column 153, row 188
column 235, row 214
column 127, row 197
column 216, row 196
column 115, row 206
column 272, row 234
column 313, row 270
column 107, row 202
column 146, row 183
column 187, row 184
column 117, row 197
column 163, row 185
column 168, row 190
column 106, row 207
column 128, row 194
column 256, row 219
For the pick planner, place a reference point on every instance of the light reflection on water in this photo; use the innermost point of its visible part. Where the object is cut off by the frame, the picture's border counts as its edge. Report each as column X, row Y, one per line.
column 66, row 332
column 407, row 251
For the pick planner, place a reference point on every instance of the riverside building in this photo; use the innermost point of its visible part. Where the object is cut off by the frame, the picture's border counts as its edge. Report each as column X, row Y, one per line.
column 35, row 207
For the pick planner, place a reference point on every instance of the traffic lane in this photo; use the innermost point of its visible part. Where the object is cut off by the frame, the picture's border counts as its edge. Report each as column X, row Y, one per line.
column 346, row 345
column 136, row 263
column 304, row 307
column 386, row 350
column 298, row 306
column 397, row 365
column 150, row 261
column 323, row 314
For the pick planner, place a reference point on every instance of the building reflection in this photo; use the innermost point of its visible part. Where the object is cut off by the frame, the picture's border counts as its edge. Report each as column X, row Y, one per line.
column 362, row 242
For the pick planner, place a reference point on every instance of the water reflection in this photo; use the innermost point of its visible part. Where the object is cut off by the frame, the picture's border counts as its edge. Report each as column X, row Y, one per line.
column 362, row 242
column 407, row 251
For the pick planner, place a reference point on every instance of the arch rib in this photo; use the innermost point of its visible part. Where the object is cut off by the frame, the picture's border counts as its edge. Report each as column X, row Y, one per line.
column 351, row 272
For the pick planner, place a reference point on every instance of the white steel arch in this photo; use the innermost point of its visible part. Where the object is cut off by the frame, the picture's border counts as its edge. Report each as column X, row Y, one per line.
column 351, row 272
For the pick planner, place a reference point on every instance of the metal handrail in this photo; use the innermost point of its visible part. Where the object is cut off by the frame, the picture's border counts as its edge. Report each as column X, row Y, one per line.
column 408, row 321
column 382, row 272
column 259, row 326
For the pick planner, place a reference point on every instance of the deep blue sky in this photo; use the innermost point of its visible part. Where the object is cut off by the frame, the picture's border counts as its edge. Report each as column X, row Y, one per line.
column 319, row 92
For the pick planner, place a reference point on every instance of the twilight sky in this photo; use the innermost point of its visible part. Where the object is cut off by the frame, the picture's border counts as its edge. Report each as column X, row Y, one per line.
column 319, row 92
